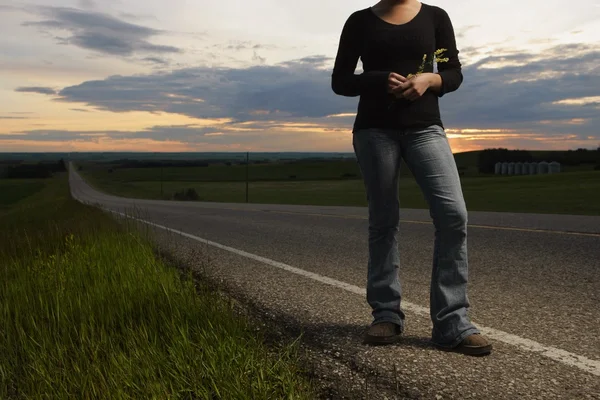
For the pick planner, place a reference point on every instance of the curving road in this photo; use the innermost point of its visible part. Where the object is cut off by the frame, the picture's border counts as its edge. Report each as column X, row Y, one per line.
column 534, row 288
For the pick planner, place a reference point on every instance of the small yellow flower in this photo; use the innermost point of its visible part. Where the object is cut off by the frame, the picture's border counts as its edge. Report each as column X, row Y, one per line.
column 437, row 56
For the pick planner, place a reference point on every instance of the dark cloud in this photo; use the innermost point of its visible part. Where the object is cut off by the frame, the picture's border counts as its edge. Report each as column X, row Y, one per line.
column 48, row 135
column 79, row 109
column 258, row 59
column 285, row 92
column 155, row 60
column 239, row 45
column 522, row 92
column 100, row 32
column 311, row 61
column 184, row 133
column 36, row 89
column 222, row 137
column 515, row 90
column 12, row 117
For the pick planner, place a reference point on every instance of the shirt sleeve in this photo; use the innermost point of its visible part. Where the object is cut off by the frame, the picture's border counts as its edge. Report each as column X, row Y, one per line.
column 450, row 71
column 344, row 81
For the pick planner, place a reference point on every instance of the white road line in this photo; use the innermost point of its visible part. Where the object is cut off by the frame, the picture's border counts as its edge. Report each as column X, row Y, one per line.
column 556, row 354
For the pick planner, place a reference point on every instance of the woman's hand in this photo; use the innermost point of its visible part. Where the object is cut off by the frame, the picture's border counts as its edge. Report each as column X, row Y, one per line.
column 394, row 81
column 413, row 88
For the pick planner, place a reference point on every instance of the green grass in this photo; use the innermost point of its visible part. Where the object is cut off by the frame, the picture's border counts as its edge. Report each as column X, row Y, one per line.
column 14, row 191
column 565, row 193
column 87, row 311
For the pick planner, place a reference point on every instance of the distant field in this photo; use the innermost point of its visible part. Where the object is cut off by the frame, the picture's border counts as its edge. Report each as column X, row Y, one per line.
column 300, row 170
column 222, row 173
column 320, row 184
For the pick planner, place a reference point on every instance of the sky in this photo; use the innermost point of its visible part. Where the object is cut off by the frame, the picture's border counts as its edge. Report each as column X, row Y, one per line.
column 180, row 75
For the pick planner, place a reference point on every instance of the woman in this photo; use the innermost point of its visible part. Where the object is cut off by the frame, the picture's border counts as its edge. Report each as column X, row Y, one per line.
column 398, row 118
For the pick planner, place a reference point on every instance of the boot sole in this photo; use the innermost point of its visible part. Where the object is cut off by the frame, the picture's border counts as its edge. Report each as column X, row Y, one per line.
column 381, row 340
column 469, row 351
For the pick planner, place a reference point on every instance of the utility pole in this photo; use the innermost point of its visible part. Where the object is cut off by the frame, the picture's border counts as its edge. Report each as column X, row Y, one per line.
column 247, row 166
column 161, row 182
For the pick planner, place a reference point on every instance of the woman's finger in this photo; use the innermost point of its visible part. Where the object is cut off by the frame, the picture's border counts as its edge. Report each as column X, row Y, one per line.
column 401, row 87
column 398, row 77
column 394, row 82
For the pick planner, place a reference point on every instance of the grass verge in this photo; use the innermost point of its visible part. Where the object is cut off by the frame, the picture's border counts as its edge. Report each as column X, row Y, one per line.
column 88, row 311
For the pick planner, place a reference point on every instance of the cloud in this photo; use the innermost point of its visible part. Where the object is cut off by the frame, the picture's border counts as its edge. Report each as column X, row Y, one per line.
column 317, row 61
column 258, row 59
column 6, row 8
column 239, row 45
column 50, row 135
column 461, row 32
column 255, row 136
column 595, row 100
column 36, row 89
column 520, row 90
column 269, row 136
column 280, row 92
column 183, row 133
column 525, row 92
column 155, row 60
column 100, row 32
column 87, row 4
column 137, row 17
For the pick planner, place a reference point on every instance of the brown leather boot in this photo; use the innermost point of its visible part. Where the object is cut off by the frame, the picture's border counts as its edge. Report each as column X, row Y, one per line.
column 383, row 333
column 473, row 345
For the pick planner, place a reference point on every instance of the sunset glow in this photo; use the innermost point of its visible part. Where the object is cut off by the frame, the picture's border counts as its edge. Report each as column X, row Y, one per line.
column 237, row 84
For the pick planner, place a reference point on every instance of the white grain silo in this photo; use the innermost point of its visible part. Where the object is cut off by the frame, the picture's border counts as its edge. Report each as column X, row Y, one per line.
column 511, row 168
column 519, row 168
column 498, row 168
column 533, row 168
column 554, row 167
column 526, row 168
column 543, row 167
column 504, row 168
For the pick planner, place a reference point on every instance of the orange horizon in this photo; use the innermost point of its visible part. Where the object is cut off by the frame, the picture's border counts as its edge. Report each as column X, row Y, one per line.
column 106, row 131
column 179, row 147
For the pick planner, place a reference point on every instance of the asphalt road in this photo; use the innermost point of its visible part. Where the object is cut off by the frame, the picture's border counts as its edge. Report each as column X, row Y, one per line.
column 534, row 289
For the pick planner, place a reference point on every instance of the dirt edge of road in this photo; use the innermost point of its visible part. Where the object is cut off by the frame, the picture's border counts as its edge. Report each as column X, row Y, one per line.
column 333, row 374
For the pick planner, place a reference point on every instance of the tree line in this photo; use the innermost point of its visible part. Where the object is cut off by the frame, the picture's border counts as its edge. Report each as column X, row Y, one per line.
column 41, row 170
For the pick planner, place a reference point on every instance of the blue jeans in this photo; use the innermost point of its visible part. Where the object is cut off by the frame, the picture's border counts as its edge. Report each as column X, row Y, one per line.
column 428, row 155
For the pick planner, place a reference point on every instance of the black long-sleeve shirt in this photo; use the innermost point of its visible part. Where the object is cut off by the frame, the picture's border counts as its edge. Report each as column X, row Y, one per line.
column 383, row 48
